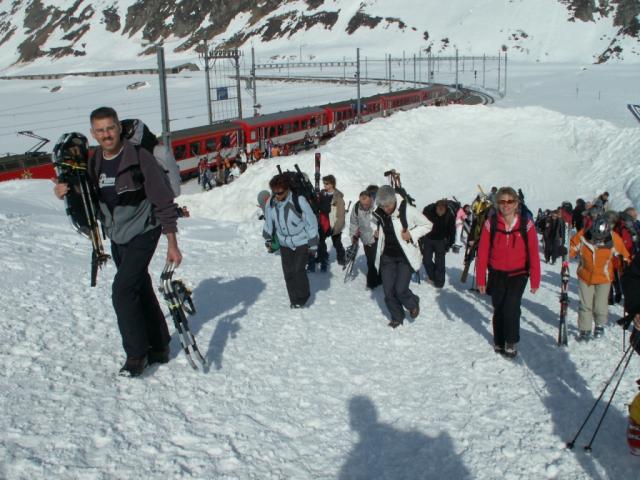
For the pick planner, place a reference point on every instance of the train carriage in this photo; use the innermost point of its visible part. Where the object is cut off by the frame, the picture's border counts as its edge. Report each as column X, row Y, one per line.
column 191, row 144
column 283, row 128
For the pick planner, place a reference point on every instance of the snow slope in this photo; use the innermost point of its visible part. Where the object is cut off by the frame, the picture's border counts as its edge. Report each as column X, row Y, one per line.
column 328, row 391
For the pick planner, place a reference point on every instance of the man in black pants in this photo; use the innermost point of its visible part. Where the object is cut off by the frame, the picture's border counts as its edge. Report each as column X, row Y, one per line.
column 438, row 241
column 136, row 205
column 361, row 228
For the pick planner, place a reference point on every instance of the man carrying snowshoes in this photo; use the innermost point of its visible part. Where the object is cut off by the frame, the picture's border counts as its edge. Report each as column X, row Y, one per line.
column 362, row 228
column 136, row 205
column 438, row 241
column 596, row 246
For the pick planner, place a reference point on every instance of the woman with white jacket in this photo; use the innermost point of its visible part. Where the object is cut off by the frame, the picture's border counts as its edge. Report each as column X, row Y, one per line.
column 399, row 226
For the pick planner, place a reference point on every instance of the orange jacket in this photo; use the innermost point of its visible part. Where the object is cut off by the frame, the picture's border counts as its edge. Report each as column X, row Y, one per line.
column 596, row 264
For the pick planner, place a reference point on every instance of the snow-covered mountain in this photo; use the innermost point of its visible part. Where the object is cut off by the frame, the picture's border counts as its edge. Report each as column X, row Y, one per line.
column 104, row 32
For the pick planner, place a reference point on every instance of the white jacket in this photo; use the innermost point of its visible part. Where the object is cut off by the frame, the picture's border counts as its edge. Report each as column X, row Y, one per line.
column 418, row 227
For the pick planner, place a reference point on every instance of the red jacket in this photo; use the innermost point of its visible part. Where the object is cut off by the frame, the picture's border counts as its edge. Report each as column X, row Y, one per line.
column 508, row 252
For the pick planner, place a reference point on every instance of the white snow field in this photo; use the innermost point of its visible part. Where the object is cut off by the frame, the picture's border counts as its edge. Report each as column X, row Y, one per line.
column 329, row 391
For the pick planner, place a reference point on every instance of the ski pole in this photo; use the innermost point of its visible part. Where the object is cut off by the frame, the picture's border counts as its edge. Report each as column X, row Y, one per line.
column 595, row 404
column 587, row 448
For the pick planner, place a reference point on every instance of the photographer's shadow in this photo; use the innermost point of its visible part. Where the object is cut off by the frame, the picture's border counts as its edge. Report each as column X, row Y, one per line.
column 386, row 452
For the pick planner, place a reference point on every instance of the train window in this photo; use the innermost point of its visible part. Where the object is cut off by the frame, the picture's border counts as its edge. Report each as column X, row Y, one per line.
column 225, row 141
column 11, row 165
column 180, row 152
column 303, row 124
column 296, row 126
column 29, row 162
column 287, row 128
column 312, row 122
column 210, row 144
column 194, row 148
column 280, row 130
column 272, row 131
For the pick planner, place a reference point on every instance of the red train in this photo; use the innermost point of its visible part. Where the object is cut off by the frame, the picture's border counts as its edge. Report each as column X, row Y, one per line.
column 287, row 129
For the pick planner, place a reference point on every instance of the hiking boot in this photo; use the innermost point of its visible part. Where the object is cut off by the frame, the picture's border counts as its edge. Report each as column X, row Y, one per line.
column 414, row 312
column 133, row 367
column 323, row 266
column 161, row 355
column 342, row 262
column 311, row 266
column 498, row 349
column 598, row 332
column 583, row 336
column 395, row 323
column 296, row 305
column 510, row 350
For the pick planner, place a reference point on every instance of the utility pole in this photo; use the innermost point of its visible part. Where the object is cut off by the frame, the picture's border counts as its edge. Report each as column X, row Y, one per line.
column 484, row 68
column 238, row 90
column 208, row 80
column 253, row 81
column 404, row 69
column 415, row 82
column 358, row 82
column 499, row 65
column 505, row 74
column 457, row 68
column 164, row 104
column 389, row 73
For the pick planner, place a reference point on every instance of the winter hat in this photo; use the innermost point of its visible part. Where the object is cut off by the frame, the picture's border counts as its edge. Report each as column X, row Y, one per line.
column 386, row 196
column 600, row 228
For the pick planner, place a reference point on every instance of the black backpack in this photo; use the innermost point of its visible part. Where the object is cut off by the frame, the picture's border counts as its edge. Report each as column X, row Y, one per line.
column 301, row 186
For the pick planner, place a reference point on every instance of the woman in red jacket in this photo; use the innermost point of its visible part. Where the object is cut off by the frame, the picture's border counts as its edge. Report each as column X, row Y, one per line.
column 511, row 254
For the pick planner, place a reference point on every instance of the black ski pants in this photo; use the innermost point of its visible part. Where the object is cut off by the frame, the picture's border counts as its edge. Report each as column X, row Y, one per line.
column 396, row 274
column 506, row 295
column 373, row 276
column 294, row 264
column 323, row 253
column 433, row 259
column 140, row 319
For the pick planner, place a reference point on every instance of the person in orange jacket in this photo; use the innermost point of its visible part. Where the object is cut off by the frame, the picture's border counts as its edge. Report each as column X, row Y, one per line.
column 596, row 246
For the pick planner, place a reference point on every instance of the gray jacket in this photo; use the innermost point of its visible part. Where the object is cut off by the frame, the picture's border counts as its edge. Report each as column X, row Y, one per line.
column 145, row 198
column 360, row 224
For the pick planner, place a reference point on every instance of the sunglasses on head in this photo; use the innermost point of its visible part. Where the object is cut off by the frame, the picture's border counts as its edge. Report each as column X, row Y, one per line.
column 511, row 201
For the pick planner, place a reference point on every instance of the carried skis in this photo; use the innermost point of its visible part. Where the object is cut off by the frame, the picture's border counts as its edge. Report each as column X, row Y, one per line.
column 564, row 302
column 178, row 298
column 70, row 158
column 350, row 259
column 317, row 173
column 480, row 209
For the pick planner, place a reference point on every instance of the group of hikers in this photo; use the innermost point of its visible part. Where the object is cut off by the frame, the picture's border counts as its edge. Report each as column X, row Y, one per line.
column 136, row 205
column 399, row 240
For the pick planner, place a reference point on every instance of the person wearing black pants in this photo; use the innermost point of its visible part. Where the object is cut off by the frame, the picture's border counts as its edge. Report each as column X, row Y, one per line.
column 140, row 319
column 399, row 227
column 508, row 248
column 361, row 229
column 294, row 263
column 296, row 227
column 506, row 296
column 438, row 241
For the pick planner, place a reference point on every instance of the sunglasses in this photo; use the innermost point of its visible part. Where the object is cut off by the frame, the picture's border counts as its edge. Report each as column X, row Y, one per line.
column 507, row 202
column 280, row 193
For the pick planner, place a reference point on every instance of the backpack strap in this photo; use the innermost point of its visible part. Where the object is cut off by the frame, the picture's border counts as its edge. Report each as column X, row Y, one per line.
column 402, row 211
column 356, row 207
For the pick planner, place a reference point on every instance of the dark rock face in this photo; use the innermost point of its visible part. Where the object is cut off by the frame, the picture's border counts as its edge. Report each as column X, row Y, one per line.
column 194, row 21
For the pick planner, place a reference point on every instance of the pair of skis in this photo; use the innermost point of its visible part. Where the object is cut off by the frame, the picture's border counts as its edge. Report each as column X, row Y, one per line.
column 350, row 259
column 180, row 303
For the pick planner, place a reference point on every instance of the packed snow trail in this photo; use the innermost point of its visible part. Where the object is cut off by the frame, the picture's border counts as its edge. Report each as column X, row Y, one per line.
column 329, row 391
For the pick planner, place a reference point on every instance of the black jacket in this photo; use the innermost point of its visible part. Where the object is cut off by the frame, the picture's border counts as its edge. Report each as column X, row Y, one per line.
column 444, row 227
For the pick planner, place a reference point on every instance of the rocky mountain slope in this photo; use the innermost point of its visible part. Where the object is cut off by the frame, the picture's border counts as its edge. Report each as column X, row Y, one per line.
column 583, row 30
